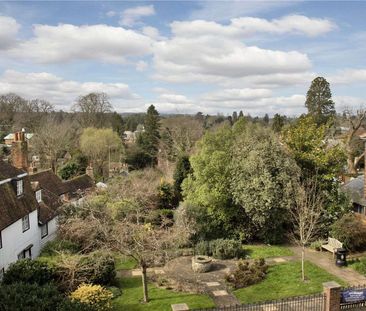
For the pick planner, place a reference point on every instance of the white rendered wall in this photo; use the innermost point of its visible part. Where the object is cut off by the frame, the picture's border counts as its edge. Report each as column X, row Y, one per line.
column 52, row 231
column 14, row 240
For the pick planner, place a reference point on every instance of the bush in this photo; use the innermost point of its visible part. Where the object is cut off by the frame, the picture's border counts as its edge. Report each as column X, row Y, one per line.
column 93, row 295
column 248, row 274
column 56, row 246
column 73, row 270
column 360, row 266
column 220, row 248
column 351, row 231
column 70, row 305
column 29, row 297
column 28, row 271
column 317, row 245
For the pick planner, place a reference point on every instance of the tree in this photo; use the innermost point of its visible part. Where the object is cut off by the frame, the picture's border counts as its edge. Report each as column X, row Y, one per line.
column 319, row 101
column 92, row 109
column 97, row 145
column 306, row 216
column 266, row 119
column 241, row 114
column 51, row 139
column 235, row 116
column 278, row 122
column 146, row 244
column 354, row 145
column 182, row 170
column 149, row 139
column 263, row 180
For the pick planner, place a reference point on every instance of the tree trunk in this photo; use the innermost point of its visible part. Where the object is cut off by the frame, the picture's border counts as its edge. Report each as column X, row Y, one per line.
column 144, row 283
column 303, row 262
column 351, row 165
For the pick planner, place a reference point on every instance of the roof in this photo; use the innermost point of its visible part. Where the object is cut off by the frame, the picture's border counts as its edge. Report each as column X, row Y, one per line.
column 48, row 180
column 80, row 183
column 355, row 189
column 13, row 208
column 49, row 207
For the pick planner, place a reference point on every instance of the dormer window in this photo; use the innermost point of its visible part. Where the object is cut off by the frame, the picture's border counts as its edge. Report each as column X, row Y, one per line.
column 19, row 187
column 39, row 196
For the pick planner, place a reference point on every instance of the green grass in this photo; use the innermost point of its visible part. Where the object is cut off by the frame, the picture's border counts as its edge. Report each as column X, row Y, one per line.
column 284, row 280
column 125, row 263
column 266, row 251
column 358, row 265
column 160, row 299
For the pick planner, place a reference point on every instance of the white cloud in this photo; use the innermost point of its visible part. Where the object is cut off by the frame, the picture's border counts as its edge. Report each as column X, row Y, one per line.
column 151, row 32
column 348, row 76
column 111, row 13
column 8, row 31
column 249, row 26
column 60, row 91
column 141, row 65
column 64, row 43
column 349, row 102
column 228, row 95
column 203, row 59
column 131, row 16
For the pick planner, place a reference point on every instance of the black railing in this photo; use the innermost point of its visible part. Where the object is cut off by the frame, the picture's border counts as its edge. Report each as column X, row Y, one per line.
column 304, row 303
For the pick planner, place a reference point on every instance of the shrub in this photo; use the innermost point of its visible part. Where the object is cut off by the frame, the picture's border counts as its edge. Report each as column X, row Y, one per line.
column 28, row 271
column 225, row 249
column 73, row 270
column 360, row 266
column 29, row 297
column 351, row 231
column 220, row 248
column 56, row 246
column 93, row 295
column 248, row 274
column 317, row 245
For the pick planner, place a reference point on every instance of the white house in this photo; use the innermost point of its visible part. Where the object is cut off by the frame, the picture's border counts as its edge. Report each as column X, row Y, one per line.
column 28, row 214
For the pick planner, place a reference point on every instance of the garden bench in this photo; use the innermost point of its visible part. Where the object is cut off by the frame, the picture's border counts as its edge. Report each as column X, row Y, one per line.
column 332, row 245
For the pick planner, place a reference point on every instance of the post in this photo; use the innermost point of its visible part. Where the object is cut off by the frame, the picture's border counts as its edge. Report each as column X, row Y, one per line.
column 332, row 291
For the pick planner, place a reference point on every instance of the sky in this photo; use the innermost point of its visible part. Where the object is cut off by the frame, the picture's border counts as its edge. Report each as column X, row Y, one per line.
column 184, row 56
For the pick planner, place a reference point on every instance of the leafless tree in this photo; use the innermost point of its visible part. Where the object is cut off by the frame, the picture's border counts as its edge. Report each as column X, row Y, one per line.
column 355, row 121
column 92, row 108
column 305, row 216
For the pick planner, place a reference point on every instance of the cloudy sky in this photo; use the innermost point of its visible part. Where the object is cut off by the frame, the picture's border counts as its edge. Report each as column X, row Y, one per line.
column 184, row 56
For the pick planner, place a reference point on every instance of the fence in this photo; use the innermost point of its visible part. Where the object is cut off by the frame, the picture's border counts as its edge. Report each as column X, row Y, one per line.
column 305, row 303
column 353, row 298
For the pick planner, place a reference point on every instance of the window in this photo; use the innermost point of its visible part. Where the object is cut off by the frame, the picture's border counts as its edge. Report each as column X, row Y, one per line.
column 26, row 253
column 44, row 230
column 39, row 196
column 2, row 271
column 25, row 223
column 1, row 241
column 19, row 187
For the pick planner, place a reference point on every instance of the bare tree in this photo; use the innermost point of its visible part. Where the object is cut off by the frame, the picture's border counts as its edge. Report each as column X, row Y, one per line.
column 51, row 139
column 92, row 108
column 306, row 216
column 355, row 121
column 147, row 244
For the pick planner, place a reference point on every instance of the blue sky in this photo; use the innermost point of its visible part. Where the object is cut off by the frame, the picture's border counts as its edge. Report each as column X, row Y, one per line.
column 184, row 56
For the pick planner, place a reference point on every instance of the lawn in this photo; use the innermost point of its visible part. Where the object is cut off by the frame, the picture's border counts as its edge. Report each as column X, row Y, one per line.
column 125, row 263
column 284, row 281
column 160, row 299
column 266, row 251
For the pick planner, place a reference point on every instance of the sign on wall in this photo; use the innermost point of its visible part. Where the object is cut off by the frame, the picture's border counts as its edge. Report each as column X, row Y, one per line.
column 353, row 295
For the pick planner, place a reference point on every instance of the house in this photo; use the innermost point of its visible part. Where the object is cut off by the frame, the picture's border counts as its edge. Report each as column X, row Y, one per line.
column 8, row 139
column 28, row 216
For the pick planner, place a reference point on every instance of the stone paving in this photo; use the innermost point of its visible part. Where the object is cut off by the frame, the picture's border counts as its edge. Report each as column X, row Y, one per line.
column 326, row 261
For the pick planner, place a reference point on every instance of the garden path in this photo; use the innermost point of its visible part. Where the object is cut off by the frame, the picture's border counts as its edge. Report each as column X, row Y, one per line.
column 325, row 260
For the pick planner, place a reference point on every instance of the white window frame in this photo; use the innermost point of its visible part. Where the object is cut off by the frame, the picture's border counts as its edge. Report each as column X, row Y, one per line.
column 1, row 241
column 20, row 186
column 25, row 223
column 44, row 234
column 39, row 196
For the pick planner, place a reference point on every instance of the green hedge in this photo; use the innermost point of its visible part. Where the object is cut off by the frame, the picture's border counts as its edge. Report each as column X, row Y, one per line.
column 220, row 248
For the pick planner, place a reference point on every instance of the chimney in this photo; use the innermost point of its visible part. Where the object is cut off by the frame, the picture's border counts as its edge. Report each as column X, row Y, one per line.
column 90, row 172
column 19, row 151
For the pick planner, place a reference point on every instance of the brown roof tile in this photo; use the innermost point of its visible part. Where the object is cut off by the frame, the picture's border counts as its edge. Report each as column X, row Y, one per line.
column 49, row 181
column 79, row 184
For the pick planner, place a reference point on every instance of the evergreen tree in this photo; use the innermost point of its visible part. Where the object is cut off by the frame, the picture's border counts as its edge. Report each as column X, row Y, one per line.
column 241, row 114
column 278, row 122
column 235, row 116
column 149, row 140
column 319, row 101
column 182, row 169
column 266, row 119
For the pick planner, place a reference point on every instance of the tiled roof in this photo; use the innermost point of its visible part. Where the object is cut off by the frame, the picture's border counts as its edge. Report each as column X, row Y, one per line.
column 13, row 208
column 49, row 207
column 49, row 181
column 79, row 184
